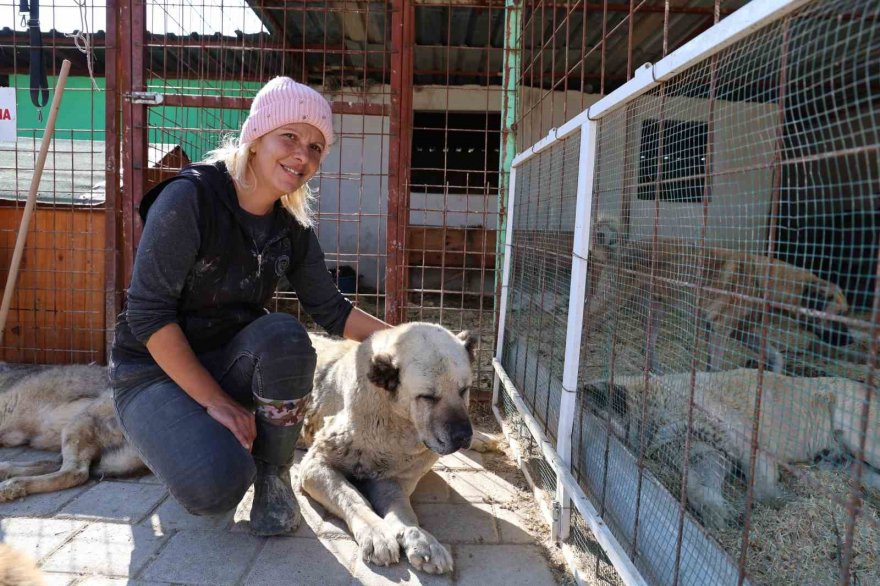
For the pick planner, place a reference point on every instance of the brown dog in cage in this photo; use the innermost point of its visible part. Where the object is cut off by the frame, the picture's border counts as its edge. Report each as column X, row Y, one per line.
column 802, row 420
column 731, row 295
column 65, row 409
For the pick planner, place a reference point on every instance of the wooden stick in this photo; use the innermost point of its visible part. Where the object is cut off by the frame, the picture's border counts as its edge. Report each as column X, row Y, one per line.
column 32, row 197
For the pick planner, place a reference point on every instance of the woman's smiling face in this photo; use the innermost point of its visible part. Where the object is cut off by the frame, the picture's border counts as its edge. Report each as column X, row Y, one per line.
column 285, row 158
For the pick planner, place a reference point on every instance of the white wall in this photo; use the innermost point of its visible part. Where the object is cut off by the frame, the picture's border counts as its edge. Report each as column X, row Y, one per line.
column 353, row 181
column 741, row 181
column 353, row 196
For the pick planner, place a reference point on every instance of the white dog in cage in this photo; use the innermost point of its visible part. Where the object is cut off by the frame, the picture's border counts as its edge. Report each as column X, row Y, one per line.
column 731, row 293
column 801, row 419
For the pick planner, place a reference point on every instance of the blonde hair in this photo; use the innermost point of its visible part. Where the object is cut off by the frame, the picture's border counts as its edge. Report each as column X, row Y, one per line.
column 237, row 157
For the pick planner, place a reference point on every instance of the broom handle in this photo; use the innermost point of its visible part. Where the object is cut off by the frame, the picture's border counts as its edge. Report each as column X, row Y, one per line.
column 32, row 197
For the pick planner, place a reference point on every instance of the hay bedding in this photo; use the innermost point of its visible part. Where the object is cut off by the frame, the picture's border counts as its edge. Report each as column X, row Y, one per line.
column 802, row 542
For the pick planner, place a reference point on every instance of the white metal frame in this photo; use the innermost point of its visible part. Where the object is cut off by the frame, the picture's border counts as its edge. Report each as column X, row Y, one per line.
column 745, row 21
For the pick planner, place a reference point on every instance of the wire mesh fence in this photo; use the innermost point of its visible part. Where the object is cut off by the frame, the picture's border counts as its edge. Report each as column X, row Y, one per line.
column 450, row 259
column 726, row 412
column 543, row 225
column 207, row 60
column 57, row 314
column 407, row 198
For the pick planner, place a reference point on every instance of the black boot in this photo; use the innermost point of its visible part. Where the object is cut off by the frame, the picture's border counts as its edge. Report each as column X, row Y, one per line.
column 275, row 510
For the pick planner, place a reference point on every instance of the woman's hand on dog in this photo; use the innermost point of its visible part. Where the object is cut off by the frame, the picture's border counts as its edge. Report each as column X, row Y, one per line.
column 237, row 419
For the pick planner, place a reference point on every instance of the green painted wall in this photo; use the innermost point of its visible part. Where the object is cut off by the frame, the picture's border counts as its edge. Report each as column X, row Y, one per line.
column 80, row 117
column 83, row 113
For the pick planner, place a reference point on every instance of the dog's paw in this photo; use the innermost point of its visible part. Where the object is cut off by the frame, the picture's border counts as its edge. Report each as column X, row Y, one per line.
column 378, row 545
column 485, row 442
column 11, row 490
column 425, row 553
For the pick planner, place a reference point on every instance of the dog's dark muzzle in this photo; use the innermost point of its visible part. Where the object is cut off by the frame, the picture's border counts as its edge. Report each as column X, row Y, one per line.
column 456, row 435
column 460, row 434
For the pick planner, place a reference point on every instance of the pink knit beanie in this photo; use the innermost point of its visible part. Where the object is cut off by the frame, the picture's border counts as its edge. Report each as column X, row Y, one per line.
column 284, row 101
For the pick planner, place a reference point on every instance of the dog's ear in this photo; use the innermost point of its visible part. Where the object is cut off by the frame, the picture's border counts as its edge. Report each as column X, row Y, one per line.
column 470, row 343
column 383, row 373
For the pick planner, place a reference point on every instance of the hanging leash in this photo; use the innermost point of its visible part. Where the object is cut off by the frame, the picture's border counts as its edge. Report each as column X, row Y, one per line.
column 39, row 86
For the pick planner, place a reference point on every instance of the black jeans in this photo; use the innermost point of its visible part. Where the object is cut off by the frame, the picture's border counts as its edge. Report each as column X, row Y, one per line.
column 204, row 466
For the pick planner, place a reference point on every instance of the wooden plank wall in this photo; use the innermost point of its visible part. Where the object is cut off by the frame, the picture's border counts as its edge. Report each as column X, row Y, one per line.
column 57, row 312
column 439, row 246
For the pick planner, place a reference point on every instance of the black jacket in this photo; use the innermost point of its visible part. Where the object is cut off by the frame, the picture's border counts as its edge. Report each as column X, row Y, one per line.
column 226, row 283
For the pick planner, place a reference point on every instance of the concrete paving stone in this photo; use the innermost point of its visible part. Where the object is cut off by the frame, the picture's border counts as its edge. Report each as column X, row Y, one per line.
column 55, row 579
column 117, row 501
column 402, row 573
column 512, row 527
column 172, row 516
column 432, row 488
column 37, row 537
column 303, row 562
column 510, row 565
column 42, row 505
column 106, row 549
column 458, row 523
column 204, row 557
column 478, row 487
column 462, row 460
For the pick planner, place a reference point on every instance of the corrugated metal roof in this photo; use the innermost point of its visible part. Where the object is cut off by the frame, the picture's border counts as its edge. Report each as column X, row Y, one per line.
column 349, row 44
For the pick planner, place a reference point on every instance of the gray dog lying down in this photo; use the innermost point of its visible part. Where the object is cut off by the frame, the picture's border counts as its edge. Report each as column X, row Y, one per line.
column 382, row 413
column 65, row 409
column 801, row 419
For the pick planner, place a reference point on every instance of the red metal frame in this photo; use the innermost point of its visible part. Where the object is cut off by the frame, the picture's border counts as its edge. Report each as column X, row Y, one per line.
column 402, row 40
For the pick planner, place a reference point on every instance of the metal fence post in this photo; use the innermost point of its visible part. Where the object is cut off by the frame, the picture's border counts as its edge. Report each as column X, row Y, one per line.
column 574, row 328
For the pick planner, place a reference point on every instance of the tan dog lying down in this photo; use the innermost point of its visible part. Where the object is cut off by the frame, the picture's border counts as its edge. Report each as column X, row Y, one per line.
column 17, row 569
column 801, row 419
column 66, row 409
column 622, row 271
column 381, row 414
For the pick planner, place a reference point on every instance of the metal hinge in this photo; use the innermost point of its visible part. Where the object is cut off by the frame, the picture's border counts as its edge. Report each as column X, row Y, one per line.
column 148, row 98
column 557, row 511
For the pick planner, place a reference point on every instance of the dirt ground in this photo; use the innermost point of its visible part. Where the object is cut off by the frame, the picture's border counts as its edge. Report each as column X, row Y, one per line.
column 594, row 567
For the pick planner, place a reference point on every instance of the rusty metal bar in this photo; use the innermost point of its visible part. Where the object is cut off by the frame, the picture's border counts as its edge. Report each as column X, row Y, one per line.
column 854, row 502
column 646, row 369
column 612, row 7
column 698, row 298
column 398, row 173
column 765, row 313
column 237, row 103
column 113, row 286
column 509, row 111
column 134, row 122
column 126, row 50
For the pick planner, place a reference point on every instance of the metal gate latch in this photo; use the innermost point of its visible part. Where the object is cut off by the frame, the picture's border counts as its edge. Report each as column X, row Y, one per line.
column 148, row 98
